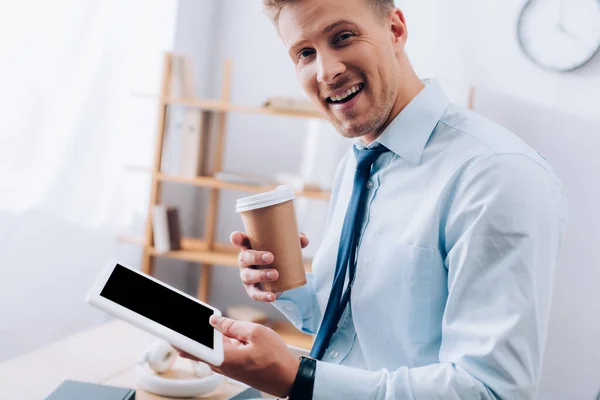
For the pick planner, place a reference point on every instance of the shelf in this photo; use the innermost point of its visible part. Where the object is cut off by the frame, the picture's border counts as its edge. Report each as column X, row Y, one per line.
column 210, row 182
column 195, row 250
column 220, row 106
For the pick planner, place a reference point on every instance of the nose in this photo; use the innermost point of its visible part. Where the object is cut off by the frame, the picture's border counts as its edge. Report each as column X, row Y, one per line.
column 329, row 68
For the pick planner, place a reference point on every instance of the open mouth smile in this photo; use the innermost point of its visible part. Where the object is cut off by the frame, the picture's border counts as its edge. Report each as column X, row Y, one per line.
column 346, row 96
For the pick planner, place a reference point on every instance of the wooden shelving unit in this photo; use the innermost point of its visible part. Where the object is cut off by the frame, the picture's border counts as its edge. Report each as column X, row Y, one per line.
column 221, row 106
column 206, row 251
column 197, row 250
column 209, row 182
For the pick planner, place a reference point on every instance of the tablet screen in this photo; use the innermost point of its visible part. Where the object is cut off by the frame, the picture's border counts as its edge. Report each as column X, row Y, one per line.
column 160, row 304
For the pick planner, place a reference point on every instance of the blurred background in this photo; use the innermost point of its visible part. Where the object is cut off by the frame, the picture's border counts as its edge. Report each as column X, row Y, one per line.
column 110, row 108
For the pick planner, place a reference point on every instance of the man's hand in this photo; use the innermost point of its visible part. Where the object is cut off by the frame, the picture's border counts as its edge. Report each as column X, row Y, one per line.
column 255, row 355
column 253, row 278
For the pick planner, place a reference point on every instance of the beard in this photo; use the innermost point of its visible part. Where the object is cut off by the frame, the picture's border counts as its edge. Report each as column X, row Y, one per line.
column 349, row 127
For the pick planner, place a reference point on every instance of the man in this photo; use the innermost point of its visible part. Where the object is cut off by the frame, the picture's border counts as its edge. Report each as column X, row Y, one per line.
column 447, row 225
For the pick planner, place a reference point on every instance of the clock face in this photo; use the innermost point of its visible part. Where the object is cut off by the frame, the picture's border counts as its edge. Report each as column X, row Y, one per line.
column 560, row 35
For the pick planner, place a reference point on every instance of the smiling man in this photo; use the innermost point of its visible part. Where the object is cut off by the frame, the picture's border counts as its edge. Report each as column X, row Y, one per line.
column 435, row 274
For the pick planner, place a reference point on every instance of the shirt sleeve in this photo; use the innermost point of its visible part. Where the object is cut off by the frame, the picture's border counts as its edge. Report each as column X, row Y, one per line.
column 501, row 235
column 300, row 306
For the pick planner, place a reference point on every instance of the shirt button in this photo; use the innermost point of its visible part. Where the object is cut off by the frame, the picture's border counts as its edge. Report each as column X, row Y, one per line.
column 369, row 185
column 334, row 354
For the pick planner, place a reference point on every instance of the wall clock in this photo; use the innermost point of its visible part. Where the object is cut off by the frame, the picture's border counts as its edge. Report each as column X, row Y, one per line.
column 560, row 35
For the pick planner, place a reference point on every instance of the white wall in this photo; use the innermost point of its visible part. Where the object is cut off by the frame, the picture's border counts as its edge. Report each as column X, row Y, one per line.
column 470, row 42
column 569, row 143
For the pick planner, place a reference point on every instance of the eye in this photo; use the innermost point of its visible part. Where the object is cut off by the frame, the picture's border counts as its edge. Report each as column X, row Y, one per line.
column 304, row 53
column 343, row 37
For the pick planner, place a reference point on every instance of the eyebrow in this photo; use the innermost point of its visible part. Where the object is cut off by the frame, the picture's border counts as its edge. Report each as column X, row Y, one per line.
column 335, row 24
column 327, row 29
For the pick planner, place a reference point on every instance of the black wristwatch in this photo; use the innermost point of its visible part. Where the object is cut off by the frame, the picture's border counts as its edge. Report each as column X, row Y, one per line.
column 302, row 389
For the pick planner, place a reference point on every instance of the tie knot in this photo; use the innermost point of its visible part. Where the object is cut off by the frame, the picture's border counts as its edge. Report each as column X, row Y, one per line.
column 366, row 157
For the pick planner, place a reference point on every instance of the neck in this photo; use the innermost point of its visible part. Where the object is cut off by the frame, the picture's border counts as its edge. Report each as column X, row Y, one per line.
column 410, row 87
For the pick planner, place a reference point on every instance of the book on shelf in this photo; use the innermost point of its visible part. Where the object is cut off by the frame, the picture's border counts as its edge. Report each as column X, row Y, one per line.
column 182, row 77
column 166, row 228
column 183, row 147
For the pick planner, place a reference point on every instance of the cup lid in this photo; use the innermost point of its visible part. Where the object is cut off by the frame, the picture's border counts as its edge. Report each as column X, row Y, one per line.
column 281, row 194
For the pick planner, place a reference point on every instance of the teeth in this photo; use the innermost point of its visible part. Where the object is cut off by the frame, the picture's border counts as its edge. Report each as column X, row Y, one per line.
column 342, row 96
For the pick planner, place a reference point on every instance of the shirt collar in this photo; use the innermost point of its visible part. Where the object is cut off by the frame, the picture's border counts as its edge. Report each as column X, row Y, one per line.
column 409, row 132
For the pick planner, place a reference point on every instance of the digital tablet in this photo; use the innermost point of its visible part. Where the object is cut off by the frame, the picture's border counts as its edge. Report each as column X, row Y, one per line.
column 158, row 308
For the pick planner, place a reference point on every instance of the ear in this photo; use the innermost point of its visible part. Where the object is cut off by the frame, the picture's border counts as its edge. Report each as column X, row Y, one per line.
column 398, row 31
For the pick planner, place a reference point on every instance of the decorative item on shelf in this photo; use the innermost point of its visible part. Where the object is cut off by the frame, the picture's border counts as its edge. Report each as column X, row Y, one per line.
column 246, row 314
column 289, row 103
column 297, row 183
column 166, row 228
column 244, row 179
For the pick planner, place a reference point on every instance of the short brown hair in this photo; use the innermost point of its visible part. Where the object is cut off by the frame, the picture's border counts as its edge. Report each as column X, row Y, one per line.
column 273, row 7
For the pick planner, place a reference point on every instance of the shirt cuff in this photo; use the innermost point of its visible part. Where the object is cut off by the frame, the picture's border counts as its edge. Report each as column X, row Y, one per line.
column 290, row 302
column 290, row 310
column 333, row 381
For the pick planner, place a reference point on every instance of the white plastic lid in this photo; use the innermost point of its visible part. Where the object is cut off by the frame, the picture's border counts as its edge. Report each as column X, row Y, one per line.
column 281, row 194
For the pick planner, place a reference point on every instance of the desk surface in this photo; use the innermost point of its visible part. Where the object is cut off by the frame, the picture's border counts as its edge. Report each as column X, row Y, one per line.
column 105, row 354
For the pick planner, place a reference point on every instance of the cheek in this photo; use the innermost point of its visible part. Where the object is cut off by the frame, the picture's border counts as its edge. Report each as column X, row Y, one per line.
column 308, row 81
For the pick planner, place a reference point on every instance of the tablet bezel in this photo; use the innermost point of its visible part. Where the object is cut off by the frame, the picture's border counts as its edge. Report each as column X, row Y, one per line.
column 213, row 356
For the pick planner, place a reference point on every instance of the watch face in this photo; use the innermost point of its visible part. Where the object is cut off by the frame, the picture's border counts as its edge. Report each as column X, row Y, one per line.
column 560, row 35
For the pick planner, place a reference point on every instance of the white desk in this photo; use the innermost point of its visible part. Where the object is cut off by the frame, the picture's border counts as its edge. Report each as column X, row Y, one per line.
column 105, row 354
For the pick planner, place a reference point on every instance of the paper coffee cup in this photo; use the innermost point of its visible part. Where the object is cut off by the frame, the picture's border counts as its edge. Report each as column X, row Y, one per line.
column 271, row 225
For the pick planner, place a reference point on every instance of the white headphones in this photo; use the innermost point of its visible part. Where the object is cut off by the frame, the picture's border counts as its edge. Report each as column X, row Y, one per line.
column 157, row 359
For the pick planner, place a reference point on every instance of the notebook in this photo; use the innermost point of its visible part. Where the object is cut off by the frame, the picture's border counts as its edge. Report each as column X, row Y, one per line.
column 75, row 390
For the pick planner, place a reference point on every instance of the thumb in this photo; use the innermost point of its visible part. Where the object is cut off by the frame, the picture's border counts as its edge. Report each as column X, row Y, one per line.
column 303, row 240
column 231, row 328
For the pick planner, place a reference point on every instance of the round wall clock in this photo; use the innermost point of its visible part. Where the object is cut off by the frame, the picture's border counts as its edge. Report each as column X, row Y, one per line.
column 560, row 35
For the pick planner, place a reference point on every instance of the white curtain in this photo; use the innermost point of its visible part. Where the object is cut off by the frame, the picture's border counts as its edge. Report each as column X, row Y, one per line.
column 68, row 125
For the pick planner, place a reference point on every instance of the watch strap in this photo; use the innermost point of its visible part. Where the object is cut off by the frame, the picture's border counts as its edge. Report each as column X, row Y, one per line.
column 303, row 386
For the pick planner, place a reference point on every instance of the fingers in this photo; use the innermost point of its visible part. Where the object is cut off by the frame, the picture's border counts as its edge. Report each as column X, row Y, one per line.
column 249, row 258
column 256, row 293
column 251, row 276
column 241, row 331
column 303, row 240
column 240, row 240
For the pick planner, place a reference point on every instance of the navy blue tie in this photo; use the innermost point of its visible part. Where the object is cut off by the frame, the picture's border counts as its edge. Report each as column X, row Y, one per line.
column 346, row 257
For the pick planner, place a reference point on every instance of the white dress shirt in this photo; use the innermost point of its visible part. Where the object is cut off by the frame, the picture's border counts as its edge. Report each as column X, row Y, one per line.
column 455, row 264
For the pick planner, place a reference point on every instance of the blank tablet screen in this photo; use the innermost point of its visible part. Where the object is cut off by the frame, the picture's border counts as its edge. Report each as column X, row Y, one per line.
column 160, row 304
